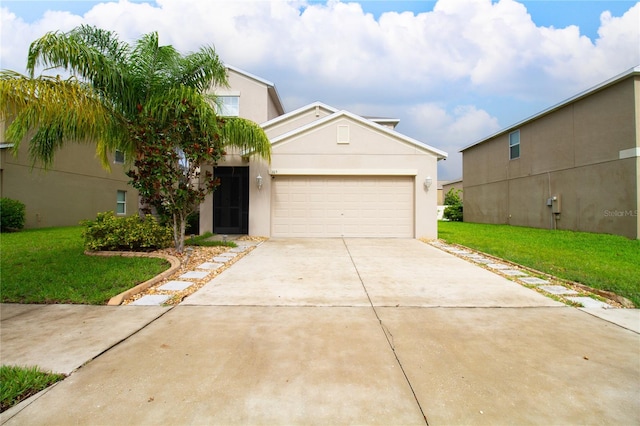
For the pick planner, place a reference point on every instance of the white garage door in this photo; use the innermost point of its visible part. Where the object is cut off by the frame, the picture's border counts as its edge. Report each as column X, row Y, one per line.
column 349, row 206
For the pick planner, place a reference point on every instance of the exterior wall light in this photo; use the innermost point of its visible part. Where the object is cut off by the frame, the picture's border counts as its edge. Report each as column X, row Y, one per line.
column 259, row 181
column 427, row 182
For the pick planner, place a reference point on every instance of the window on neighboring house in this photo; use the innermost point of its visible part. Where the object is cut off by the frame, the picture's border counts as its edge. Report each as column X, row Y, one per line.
column 229, row 106
column 121, row 202
column 118, row 157
column 514, row 145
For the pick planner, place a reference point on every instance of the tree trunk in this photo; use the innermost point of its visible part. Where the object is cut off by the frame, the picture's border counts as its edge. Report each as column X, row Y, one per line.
column 179, row 228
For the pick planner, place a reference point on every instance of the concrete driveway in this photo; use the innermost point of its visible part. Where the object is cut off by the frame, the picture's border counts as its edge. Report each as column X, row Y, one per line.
column 356, row 331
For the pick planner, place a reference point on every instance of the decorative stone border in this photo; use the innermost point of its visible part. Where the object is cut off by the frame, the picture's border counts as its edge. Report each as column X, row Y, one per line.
column 118, row 299
column 622, row 301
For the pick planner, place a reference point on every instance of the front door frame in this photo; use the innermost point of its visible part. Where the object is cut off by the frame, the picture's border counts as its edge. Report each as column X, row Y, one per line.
column 231, row 201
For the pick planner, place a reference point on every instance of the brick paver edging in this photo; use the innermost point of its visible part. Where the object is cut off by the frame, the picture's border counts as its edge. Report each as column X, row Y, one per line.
column 118, row 299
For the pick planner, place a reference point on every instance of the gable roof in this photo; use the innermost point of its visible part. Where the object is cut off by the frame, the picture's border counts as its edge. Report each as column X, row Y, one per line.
column 299, row 111
column 363, row 121
column 385, row 121
column 271, row 88
column 610, row 82
column 327, row 108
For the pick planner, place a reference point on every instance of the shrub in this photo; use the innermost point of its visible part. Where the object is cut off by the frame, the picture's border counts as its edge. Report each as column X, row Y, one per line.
column 12, row 214
column 109, row 232
column 453, row 211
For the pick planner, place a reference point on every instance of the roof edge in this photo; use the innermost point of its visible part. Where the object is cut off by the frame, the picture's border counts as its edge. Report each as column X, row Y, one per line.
column 271, row 87
column 248, row 74
column 609, row 82
column 439, row 154
column 298, row 111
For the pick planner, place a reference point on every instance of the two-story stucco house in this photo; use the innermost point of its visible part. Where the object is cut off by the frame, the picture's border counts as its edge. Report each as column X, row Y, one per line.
column 574, row 166
column 332, row 174
column 74, row 188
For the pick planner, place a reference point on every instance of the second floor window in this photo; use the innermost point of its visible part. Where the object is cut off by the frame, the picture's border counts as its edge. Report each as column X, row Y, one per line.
column 229, row 106
column 514, row 145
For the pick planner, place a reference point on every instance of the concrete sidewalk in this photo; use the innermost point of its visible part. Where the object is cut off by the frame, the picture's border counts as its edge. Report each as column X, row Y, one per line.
column 61, row 338
column 335, row 331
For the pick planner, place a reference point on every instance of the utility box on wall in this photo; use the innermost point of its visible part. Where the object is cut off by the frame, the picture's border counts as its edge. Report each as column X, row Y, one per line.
column 555, row 204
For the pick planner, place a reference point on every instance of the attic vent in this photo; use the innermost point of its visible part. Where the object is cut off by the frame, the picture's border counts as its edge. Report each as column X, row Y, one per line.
column 343, row 134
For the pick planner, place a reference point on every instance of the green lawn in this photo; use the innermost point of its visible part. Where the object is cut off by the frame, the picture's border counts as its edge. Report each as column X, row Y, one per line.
column 49, row 266
column 606, row 262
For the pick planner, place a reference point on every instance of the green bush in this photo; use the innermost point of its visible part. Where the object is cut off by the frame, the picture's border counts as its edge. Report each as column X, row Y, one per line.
column 12, row 214
column 133, row 233
column 453, row 211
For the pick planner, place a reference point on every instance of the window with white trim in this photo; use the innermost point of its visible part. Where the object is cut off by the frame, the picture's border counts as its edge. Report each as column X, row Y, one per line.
column 118, row 157
column 229, row 106
column 514, row 145
column 121, row 202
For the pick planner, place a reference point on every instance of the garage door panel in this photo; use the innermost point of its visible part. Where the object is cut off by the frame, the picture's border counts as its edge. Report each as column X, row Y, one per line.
column 352, row 206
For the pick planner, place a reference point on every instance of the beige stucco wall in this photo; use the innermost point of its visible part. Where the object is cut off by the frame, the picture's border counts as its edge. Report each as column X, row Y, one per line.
column 573, row 153
column 317, row 152
column 75, row 187
column 369, row 152
column 258, row 101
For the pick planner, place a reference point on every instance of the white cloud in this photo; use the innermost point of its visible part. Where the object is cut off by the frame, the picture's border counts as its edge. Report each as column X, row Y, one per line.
column 475, row 52
column 450, row 131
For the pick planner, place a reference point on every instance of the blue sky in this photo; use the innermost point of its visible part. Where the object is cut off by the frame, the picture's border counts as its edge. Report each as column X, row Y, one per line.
column 453, row 71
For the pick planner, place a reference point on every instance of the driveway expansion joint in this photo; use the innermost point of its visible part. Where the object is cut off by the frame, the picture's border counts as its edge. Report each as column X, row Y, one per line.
column 387, row 334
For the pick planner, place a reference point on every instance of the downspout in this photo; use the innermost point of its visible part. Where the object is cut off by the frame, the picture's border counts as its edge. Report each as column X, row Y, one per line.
column 552, row 223
column 508, row 197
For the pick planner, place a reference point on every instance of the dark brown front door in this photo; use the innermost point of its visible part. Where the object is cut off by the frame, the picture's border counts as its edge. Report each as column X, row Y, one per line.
column 231, row 201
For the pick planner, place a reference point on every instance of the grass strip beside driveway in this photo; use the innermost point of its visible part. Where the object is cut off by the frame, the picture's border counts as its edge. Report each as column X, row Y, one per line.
column 18, row 383
column 49, row 266
column 606, row 262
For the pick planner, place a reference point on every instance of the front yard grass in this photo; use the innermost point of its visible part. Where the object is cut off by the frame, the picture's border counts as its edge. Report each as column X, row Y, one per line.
column 606, row 262
column 49, row 266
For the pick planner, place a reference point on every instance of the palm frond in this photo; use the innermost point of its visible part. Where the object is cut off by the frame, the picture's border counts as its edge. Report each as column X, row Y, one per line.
column 246, row 135
column 58, row 111
column 90, row 54
column 203, row 69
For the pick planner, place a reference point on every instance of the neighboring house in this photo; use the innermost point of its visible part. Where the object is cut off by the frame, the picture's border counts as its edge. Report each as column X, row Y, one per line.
column 452, row 184
column 440, row 196
column 76, row 187
column 332, row 174
column 573, row 166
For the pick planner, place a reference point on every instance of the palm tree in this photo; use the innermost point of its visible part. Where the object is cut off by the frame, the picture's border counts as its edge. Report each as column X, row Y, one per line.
column 115, row 89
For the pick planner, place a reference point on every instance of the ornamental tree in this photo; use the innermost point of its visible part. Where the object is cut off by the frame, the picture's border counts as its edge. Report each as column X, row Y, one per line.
column 168, row 167
column 135, row 98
